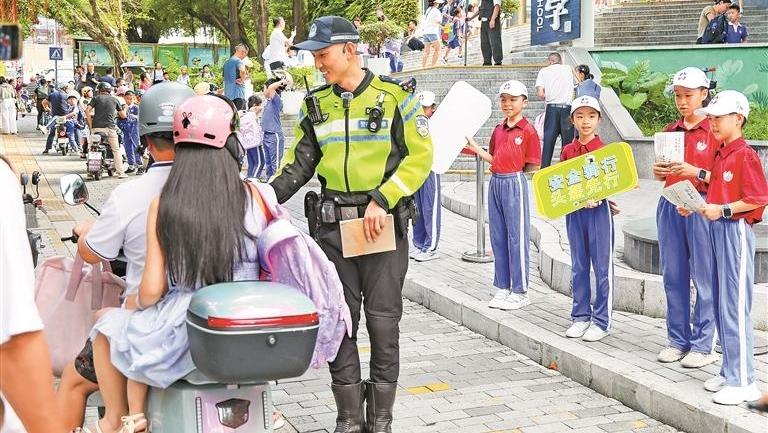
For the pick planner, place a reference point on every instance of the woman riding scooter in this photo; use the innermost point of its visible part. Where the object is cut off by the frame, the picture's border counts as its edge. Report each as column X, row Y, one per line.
column 201, row 230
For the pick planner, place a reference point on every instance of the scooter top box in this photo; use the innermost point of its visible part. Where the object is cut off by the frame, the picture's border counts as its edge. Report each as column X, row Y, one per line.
column 251, row 331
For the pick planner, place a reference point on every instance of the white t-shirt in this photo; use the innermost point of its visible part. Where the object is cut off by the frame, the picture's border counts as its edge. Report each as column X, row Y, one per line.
column 557, row 81
column 123, row 223
column 432, row 20
column 277, row 49
column 18, row 313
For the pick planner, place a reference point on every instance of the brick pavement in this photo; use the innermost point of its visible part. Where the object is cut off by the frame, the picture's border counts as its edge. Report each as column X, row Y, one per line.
column 452, row 379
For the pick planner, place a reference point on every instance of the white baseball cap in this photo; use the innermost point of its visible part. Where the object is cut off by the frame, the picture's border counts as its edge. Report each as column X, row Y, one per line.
column 726, row 102
column 585, row 101
column 427, row 98
column 513, row 88
column 691, row 78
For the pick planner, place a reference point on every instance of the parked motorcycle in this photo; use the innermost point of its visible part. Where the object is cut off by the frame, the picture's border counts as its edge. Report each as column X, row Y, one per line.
column 31, row 205
column 241, row 335
column 62, row 140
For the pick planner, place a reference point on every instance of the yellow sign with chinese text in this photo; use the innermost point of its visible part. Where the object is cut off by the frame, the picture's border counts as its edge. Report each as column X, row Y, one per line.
column 568, row 186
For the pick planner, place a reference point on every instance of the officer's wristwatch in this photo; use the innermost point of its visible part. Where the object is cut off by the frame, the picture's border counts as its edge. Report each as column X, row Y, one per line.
column 702, row 176
column 727, row 212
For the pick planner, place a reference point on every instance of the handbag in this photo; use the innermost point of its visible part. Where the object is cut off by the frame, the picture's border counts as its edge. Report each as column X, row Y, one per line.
column 67, row 293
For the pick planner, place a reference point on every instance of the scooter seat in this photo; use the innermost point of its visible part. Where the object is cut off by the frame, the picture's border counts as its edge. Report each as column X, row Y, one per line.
column 197, row 377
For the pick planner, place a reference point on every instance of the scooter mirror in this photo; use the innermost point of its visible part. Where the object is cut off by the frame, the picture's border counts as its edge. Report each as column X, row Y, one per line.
column 73, row 189
column 24, row 179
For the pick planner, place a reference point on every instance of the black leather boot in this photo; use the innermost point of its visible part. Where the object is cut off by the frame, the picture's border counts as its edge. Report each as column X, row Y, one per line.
column 349, row 407
column 380, row 397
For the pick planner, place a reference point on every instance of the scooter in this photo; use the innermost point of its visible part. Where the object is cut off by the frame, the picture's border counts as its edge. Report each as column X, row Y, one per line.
column 99, row 158
column 62, row 140
column 241, row 336
column 35, row 239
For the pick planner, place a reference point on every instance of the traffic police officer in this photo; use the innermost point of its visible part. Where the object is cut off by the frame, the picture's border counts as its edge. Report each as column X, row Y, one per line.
column 368, row 139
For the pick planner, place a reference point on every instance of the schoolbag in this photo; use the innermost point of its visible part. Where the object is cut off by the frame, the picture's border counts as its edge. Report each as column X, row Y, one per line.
column 715, row 32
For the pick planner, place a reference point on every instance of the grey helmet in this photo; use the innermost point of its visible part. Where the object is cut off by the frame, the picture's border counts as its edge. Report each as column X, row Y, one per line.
column 103, row 86
column 158, row 104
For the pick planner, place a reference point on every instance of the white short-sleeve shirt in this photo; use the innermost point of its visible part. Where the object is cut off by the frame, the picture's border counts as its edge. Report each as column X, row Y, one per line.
column 123, row 223
column 277, row 49
column 557, row 81
column 18, row 313
column 432, row 20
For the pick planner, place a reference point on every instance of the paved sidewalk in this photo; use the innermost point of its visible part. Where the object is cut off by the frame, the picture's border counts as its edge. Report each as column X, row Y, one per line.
column 452, row 379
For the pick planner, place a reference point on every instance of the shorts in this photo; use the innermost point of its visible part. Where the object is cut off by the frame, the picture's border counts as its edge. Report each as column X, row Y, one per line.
column 454, row 43
column 428, row 39
column 84, row 363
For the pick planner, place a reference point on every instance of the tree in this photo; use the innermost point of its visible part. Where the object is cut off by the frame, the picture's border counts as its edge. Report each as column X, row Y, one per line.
column 260, row 12
column 104, row 21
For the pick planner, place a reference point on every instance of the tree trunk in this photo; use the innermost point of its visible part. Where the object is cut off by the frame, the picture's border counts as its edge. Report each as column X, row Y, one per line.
column 259, row 10
column 233, row 18
column 298, row 20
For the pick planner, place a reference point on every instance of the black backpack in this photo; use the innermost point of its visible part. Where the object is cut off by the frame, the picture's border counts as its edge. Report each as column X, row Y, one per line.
column 715, row 32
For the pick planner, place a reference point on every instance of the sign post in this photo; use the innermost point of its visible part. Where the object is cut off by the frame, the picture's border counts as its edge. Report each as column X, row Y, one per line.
column 555, row 21
column 56, row 54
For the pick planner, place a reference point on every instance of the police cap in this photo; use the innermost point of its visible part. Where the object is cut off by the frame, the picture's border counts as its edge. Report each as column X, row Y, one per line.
column 327, row 31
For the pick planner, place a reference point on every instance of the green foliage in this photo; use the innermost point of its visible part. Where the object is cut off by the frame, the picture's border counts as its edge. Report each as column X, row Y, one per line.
column 759, row 99
column 638, row 88
column 757, row 126
column 401, row 11
column 298, row 74
column 377, row 32
column 510, row 6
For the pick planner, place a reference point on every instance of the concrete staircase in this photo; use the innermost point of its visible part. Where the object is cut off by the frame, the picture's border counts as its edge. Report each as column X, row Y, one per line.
column 665, row 23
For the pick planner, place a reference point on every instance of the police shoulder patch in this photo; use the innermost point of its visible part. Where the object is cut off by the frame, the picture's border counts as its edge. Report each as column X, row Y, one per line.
column 422, row 125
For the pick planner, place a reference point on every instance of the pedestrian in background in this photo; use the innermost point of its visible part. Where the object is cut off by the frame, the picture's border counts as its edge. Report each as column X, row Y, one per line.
column 431, row 32
column 8, row 111
column 512, row 151
column 252, row 137
column 586, row 83
column 554, row 85
column 274, row 139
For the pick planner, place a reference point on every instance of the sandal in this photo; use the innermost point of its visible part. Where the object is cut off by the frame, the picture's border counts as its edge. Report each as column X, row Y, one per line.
column 93, row 428
column 134, row 423
column 278, row 421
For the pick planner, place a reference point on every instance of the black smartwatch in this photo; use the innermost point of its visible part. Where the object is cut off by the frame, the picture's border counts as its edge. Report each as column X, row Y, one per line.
column 702, row 176
column 727, row 212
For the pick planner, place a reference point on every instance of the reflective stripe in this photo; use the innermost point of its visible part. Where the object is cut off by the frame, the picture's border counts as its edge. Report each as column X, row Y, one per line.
column 522, row 245
column 408, row 100
column 400, row 184
column 610, row 267
column 434, row 229
column 742, row 304
column 337, row 127
column 345, row 36
column 411, row 113
column 354, row 139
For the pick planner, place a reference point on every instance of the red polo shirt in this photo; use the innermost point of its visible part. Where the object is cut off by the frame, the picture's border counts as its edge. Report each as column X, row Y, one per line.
column 513, row 148
column 577, row 148
column 737, row 174
column 700, row 148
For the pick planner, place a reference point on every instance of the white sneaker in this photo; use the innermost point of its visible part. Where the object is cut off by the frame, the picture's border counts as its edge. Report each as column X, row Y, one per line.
column 670, row 354
column 426, row 256
column 413, row 251
column 577, row 329
column 499, row 299
column 733, row 395
column 594, row 333
column 714, row 384
column 518, row 300
column 698, row 359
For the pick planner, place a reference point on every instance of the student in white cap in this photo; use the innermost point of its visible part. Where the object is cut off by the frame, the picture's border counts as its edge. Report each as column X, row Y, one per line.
column 736, row 199
column 684, row 242
column 590, row 235
column 513, row 150
column 426, row 225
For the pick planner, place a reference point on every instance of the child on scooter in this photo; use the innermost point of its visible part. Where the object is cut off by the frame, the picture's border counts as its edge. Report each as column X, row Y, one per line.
column 146, row 343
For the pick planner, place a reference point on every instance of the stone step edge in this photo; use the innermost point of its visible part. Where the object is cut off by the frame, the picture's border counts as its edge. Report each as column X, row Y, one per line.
column 675, row 404
column 634, row 291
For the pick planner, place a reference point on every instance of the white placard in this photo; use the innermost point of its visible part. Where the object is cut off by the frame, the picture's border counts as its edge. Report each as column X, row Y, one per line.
column 462, row 113
column 683, row 194
column 669, row 146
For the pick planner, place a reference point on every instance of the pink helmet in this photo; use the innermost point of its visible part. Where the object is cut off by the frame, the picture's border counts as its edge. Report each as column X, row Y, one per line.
column 204, row 119
column 121, row 90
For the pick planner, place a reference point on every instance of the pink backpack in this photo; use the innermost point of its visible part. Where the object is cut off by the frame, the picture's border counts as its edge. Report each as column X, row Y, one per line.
column 67, row 293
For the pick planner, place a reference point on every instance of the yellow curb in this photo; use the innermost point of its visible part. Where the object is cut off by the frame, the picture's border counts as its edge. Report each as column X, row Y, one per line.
column 416, row 390
column 440, row 386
